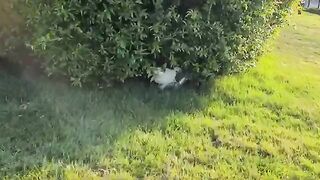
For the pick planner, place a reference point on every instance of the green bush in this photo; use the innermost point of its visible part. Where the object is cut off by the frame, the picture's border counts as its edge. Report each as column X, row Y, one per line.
column 116, row 40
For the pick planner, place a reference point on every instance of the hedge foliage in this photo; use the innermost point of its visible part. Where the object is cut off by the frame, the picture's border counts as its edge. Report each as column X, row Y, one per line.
column 116, row 40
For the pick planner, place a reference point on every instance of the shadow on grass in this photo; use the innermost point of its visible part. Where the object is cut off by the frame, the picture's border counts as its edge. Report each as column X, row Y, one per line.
column 313, row 11
column 48, row 120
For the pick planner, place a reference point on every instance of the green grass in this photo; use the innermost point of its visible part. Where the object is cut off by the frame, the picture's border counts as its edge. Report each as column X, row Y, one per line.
column 262, row 124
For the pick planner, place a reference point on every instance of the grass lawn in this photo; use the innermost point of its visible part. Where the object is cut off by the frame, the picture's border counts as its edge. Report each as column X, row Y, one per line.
column 262, row 124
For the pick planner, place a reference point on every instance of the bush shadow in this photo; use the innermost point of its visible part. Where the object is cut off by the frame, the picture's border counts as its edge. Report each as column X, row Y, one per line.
column 313, row 11
column 50, row 120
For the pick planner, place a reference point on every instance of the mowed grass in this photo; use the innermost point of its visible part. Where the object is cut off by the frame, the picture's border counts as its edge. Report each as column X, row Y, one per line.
column 261, row 124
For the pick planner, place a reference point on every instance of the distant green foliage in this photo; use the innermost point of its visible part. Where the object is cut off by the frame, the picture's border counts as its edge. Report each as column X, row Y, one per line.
column 116, row 40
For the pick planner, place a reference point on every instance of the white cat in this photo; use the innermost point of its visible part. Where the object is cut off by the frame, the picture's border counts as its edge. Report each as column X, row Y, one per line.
column 166, row 77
